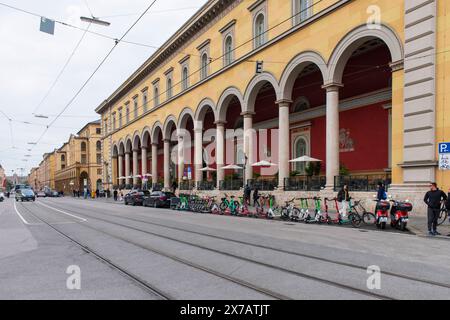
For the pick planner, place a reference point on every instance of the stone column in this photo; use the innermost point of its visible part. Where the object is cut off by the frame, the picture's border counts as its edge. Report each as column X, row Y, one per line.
column 198, row 157
column 135, row 166
column 144, row 161
column 154, row 163
column 121, row 174
column 166, row 163
column 220, row 151
column 332, row 133
column 283, row 141
column 180, row 156
column 248, row 144
column 127, row 168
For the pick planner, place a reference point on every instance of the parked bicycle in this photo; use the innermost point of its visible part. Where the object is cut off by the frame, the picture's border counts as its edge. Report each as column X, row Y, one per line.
column 229, row 206
column 443, row 215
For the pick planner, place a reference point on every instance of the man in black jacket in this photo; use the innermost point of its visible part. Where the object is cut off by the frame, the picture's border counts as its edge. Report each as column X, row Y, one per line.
column 434, row 199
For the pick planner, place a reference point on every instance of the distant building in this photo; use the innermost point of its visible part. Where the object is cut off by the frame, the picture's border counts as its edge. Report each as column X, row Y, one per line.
column 79, row 160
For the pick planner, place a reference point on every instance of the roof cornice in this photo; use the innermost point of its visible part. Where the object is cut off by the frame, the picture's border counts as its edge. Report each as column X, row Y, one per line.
column 190, row 30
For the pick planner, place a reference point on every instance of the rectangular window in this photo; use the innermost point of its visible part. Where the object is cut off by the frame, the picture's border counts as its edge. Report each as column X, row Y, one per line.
column 99, row 158
column 83, row 159
column 127, row 115
column 114, row 121
column 145, row 100
column 169, row 88
column 99, row 172
column 136, row 107
column 156, row 96
column 98, row 131
column 120, row 118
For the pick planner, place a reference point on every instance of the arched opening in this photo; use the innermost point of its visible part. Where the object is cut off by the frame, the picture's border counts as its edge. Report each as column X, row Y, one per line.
column 262, row 99
column 171, row 137
column 205, row 119
column 230, row 114
column 185, row 149
column 157, row 156
column 365, row 119
column 84, row 182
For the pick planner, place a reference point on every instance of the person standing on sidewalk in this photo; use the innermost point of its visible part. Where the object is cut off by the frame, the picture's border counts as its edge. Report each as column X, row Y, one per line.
column 434, row 199
column 344, row 198
column 115, row 194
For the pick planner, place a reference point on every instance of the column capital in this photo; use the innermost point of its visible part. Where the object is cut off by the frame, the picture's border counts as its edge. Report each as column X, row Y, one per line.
column 127, row 152
column 136, row 150
column 154, row 144
column 220, row 123
column 144, row 148
column 397, row 65
column 248, row 114
column 332, row 86
column 284, row 103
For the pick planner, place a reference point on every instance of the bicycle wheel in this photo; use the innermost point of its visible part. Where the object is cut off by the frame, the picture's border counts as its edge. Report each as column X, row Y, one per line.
column 223, row 206
column 442, row 216
column 355, row 220
column 295, row 214
column 369, row 218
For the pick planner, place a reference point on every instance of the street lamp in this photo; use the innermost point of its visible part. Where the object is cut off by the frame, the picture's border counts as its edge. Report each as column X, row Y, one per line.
column 95, row 20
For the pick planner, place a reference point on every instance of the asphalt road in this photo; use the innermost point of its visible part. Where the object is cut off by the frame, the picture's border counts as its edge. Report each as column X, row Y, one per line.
column 145, row 253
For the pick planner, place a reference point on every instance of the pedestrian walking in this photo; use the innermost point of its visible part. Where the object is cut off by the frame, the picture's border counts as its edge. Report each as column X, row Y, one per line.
column 174, row 186
column 256, row 197
column 381, row 195
column 115, row 194
column 97, row 193
column 434, row 200
column 344, row 198
column 247, row 194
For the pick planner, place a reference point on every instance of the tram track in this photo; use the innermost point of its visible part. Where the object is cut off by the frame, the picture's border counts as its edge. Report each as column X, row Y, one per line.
column 135, row 279
column 227, row 254
column 242, row 283
column 280, row 250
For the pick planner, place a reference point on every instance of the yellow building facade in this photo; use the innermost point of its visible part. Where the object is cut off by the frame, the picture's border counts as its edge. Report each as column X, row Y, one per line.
column 359, row 84
column 79, row 161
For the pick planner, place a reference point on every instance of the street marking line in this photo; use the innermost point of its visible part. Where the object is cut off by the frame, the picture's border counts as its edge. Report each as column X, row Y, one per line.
column 20, row 216
column 63, row 212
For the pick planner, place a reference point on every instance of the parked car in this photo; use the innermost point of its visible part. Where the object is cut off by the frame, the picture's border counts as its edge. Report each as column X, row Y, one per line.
column 25, row 195
column 41, row 194
column 136, row 197
column 159, row 199
column 2, row 197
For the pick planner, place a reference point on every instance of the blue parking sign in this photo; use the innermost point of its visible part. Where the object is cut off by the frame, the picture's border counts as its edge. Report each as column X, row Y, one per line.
column 444, row 148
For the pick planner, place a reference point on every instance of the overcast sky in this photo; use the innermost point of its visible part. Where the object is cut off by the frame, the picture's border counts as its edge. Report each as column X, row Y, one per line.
column 31, row 60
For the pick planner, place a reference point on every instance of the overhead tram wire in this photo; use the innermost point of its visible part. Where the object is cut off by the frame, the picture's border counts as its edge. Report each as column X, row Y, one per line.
column 93, row 73
column 62, row 70
column 68, row 25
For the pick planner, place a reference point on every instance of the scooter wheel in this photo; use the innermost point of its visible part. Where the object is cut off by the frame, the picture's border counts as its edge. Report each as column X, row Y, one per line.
column 383, row 226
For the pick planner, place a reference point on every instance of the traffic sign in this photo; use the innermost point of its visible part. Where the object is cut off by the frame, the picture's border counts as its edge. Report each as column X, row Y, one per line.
column 444, row 156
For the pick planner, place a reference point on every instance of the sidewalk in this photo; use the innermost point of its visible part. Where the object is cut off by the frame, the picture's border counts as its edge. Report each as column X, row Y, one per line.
column 419, row 226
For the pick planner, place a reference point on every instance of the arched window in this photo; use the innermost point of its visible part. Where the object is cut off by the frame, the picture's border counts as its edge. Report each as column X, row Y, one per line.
column 300, row 105
column 228, row 48
column 185, row 78
column 63, row 158
column 99, row 146
column 204, row 69
column 300, row 151
column 83, row 147
column 260, row 28
column 169, row 88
